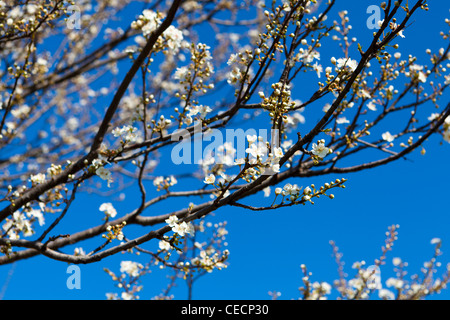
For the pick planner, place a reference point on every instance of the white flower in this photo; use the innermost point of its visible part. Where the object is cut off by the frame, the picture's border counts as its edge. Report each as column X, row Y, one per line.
column 372, row 106
column 372, row 275
column 180, row 73
column 171, row 221
column 294, row 119
column 251, row 138
column 435, row 241
column 348, row 63
column 447, row 79
column 393, row 282
column 418, row 69
column 275, row 167
column 257, row 149
column 174, row 38
column 422, row 77
column 400, row 33
column 291, row 190
column 111, row 296
column 104, row 174
column 266, row 191
column 232, row 59
column 35, row 213
column 108, row 209
column 317, row 68
column 38, row 178
column 447, row 135
column 172, row 181
column 341, row 120
column 396, row 261
column 320, row 150
column 128, row 133
column 79, row 252
column 127, row 296
column 366, row 94
column 278, row 152
column 210, row 179
column 386, row 294
column 183, row 228
column 326, row 287
column 278, row 191
column 130, row 267
column 21, row 112
column 308, row 55
column 286, row 5
column 190, row 228
column 152, row 22
column 234, row 75
column 164, row 245
column 387, row 136
column 390, row 89
column 433, row 116
column 204, row 110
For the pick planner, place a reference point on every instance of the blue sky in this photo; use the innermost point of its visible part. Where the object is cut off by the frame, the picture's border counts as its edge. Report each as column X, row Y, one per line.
column 266, row 249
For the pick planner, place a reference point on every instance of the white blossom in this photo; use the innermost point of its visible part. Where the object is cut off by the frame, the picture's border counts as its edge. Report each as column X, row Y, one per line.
column 435, row 241
column 108, row 209
column 127, row 132
column 104, row 174
column 171, row 221
column 37, row 214
column 278, row 152
column 386, row 294
column 387, row 136
column 342, row 120
column 38, row 178
column 396, row 261
column 348, row 63
column 320, row 150
column 446, row 135
column 180, row 73
column 174, row 38
column 164, row 245
column 371, row 106
column 131, row 268
column 317, row 68
column 210, row 179
column 183, row 228
column 396, row 283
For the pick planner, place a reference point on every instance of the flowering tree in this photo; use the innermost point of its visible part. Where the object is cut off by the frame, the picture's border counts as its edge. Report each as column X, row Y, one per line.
column 97, row 101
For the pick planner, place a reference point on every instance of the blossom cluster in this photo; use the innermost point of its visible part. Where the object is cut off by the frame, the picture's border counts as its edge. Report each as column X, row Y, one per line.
column 210, row 259
column 162, row 183
column 115, row 232
column 195, row 80
column 108, row 209
column 171, row 39
column 127, row 133
column 292, row 193
column 21, row 223
column 446, row 134
column 182, row 228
